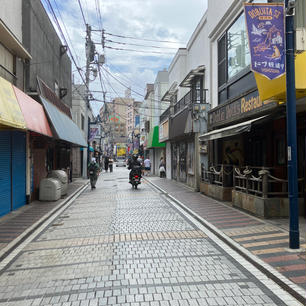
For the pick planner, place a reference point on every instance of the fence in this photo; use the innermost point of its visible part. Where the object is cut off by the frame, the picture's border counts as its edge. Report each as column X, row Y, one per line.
column 264, row 185
column 219, row 175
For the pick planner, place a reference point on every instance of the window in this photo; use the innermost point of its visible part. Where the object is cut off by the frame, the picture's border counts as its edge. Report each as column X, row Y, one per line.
column 198, row 90
column 238, row 54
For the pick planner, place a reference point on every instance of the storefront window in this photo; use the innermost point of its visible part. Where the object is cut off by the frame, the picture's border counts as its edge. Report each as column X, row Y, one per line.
column 237, row 47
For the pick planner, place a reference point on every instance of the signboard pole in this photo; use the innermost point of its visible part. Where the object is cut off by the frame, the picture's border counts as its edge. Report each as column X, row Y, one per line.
column 294, row 236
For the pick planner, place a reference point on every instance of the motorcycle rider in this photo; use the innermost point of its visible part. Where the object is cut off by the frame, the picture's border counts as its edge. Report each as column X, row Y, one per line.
column 134, row 166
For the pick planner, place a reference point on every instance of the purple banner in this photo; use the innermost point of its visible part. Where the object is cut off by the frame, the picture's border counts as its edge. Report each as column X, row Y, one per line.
column 93, row 133
column 266, row 32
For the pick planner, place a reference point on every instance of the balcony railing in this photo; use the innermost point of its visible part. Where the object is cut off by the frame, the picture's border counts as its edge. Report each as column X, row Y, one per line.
column 165, row 114
column 192, row 97
column 187, row 99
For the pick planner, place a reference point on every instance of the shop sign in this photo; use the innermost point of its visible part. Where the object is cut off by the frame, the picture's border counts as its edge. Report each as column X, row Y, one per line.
column 234, row 110
column 266, row 33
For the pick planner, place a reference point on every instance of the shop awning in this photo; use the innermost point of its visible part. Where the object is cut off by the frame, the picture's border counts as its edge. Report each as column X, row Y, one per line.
column 33, row 113
column 64, row 127
column 199, row 71
column 10, row 112
column 230, row 130
column 153, row 139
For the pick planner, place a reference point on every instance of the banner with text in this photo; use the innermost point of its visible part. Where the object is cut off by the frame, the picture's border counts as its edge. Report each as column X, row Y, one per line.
column 266, row 33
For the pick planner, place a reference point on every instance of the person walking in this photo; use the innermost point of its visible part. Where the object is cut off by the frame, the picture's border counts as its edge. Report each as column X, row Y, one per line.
column 110, row 164
column 147, row 166
column 162, row 168
column 93, row 171
column 106, row 163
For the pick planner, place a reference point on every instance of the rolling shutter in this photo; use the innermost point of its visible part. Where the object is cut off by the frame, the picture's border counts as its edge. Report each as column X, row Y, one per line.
column 18, row 169
column 5, row 172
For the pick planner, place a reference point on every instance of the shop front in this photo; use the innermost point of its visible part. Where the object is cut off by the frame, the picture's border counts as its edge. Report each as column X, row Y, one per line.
column 12, row 151
column 39, row 137
column 182, row 140
column 67, row 135
column 247, row 155
column 157, row 150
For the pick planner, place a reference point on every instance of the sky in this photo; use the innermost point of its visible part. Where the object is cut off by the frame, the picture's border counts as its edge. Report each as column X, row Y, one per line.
column 160, row 26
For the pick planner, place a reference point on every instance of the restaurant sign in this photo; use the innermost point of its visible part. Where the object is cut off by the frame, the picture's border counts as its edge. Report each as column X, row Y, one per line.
column 246, row 106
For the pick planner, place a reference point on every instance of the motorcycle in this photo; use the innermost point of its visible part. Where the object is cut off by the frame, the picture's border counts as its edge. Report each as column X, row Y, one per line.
column 135, row 179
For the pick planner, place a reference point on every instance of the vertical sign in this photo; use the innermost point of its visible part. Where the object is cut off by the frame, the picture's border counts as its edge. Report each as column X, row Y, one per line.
column 266, row 33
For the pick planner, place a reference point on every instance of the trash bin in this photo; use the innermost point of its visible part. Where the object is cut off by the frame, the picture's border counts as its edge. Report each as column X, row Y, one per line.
column 49, row 189
column 62, row 176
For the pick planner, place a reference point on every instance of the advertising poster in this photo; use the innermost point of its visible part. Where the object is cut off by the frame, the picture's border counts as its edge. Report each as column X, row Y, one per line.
column 266, row 34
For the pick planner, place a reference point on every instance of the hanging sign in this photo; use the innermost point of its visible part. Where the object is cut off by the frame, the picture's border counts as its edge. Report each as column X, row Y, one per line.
column 93, row 133
column 266, row 33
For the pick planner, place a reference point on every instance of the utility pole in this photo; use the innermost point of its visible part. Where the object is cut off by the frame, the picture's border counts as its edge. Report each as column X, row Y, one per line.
column 294, row 235
column 90, row 50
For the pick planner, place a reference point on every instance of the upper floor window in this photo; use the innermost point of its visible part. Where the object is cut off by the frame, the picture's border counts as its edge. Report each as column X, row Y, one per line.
column 238, row 54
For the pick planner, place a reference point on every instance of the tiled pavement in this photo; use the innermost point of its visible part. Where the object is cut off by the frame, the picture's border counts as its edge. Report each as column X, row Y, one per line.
column 17, row 222
column 266, row 239
column 118, row 246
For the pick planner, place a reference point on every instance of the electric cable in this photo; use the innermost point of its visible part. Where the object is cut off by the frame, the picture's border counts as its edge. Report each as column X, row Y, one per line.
column 139, row 51
column 138, row 45
column 145, row 39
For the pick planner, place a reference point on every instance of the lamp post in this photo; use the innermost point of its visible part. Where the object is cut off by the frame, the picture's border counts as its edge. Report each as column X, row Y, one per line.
column 294, row 235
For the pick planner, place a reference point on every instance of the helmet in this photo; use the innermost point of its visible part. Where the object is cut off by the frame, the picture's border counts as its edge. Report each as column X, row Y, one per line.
column 135, row 156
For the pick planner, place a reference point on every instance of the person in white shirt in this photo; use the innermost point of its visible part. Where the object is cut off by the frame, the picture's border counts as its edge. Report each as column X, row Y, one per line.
column 147, row 165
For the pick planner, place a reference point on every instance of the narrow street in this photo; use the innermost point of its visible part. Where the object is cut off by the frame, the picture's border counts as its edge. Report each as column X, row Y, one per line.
column 119, row 246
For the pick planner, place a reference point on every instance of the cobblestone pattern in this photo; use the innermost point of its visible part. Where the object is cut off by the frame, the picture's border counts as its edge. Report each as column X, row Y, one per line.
column 127, row 248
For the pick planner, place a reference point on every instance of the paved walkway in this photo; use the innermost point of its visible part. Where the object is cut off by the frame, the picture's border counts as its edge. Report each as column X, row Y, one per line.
column 267, row 239
column 119, row 246
column 18, row 222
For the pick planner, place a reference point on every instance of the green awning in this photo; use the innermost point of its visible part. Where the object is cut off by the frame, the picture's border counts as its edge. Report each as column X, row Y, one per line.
column 153, row 139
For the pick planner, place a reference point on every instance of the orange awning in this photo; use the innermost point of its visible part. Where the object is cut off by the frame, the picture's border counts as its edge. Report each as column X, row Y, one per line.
column 33, row 113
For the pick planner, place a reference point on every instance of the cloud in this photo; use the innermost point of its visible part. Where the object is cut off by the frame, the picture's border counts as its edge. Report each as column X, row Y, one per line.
column 166, row 20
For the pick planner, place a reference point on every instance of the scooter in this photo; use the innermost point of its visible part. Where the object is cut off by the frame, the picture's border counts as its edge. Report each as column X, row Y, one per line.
column 135, row 179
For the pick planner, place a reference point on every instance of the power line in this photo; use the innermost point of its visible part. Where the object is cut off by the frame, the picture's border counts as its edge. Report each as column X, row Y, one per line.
column 82, row 12
column 127, row 86
column 145, row 39
column 140, row 51
column 148, row 46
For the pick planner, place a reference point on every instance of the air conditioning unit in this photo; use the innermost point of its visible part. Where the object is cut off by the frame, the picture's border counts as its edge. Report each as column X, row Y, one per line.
column 300, row 40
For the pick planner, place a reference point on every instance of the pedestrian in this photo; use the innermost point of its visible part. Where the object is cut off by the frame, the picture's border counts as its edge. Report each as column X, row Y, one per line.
column 110, row 164
column 162, row 168
column 106, row 163
column 147, row 166
column 93, row 171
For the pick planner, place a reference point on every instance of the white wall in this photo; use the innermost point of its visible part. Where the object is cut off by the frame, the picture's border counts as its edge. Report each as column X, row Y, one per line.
column 11, row 15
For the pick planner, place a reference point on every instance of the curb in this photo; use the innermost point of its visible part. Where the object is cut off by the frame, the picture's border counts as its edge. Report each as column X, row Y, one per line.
column 22, row 237
column 297, row 292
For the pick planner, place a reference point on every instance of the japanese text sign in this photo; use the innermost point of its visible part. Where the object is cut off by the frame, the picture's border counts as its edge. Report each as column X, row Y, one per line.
column 266, row 34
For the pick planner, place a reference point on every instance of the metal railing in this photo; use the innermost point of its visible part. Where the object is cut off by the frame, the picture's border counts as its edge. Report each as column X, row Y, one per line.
column 192, row 97
column 183, row 102
column 165, row 114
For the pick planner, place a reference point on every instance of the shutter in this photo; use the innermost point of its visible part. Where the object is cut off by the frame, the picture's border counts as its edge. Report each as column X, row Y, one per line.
column 18, row 169
column 5, row 172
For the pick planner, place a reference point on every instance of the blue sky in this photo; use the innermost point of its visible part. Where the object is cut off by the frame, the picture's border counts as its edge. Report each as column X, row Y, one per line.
column 158, row 20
